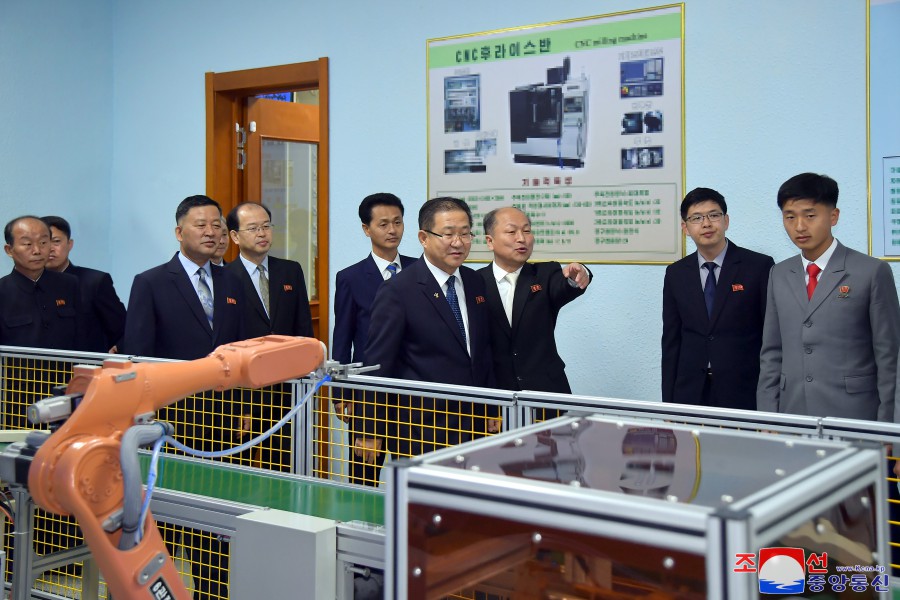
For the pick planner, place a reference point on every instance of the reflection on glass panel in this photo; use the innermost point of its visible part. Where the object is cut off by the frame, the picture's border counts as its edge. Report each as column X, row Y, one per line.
column 289, row 184
column 838, row 549
column 501, row 558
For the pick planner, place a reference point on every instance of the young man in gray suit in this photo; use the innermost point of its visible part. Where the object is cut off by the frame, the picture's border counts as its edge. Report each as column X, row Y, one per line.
column 832, row 329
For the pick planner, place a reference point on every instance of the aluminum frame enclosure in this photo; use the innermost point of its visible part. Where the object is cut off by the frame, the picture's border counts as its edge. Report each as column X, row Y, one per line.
column 800, row 480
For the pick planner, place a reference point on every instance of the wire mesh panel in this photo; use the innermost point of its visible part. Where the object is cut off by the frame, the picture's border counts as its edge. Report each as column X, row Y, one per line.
column 206, row 421
column 356, row 428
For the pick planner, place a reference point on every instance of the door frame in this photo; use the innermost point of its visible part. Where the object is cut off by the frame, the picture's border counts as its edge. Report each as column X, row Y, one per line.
column 225, row 94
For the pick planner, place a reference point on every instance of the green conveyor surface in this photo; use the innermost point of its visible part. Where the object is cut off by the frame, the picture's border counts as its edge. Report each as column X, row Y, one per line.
column 283, row 492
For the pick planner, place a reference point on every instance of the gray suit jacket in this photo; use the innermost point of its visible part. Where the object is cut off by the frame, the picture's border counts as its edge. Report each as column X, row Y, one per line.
column 836, row 354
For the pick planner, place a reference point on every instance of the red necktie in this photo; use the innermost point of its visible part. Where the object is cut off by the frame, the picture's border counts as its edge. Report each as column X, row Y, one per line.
column 813, row 270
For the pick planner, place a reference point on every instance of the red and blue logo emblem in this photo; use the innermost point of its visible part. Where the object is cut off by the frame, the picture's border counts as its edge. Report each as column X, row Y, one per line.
column 782, row 571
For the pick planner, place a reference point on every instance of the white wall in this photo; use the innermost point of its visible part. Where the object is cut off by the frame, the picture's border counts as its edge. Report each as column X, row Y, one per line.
column 773, row 88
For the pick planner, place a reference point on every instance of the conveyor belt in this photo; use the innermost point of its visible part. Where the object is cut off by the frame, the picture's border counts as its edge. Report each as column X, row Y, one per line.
column 290, row 493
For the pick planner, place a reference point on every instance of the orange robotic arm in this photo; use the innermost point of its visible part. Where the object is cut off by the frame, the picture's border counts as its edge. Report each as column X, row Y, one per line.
column 77, row 470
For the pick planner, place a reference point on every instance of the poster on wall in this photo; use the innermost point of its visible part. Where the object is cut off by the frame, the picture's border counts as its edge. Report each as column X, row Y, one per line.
column 884, row 130
column 578, row 123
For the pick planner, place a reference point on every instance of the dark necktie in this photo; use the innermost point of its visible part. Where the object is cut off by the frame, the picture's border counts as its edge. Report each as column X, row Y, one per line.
column 453, row 301
column 205, row 294
column 392, row 270
column 813, row 270
column 709, row 290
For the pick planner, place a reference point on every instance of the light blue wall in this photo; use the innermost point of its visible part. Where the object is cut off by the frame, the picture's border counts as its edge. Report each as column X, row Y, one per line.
column 773, row 88
column 56, row 118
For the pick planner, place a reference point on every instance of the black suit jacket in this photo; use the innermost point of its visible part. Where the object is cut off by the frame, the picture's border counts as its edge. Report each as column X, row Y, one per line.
column 102, row 313
column 165, row 318
column 525, row 354
column 42, row 314
column 413, row 335
column 729, row 341
column 354, row 293
column 288, row 300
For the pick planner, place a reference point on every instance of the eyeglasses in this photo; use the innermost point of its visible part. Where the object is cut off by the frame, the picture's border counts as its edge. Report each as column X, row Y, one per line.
column 465, row 237
column 258, row 228
column 714, row 217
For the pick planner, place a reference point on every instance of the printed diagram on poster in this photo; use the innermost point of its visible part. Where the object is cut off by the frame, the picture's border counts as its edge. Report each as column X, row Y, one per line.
column 578, row 123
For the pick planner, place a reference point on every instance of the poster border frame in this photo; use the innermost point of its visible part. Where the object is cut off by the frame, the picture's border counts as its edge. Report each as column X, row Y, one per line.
column 681, row 239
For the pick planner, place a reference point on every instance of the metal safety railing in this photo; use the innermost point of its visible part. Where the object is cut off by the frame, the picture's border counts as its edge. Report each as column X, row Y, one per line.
column 328, row 438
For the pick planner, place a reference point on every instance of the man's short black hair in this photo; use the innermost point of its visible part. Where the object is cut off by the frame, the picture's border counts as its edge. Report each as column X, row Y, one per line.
column 7, row 231
column 233, row 223
column 59, row 223
column 373, row 200
column 821, row 189
column 490, row 219
column 193, row 202
column 442, row 204
column 701, row 194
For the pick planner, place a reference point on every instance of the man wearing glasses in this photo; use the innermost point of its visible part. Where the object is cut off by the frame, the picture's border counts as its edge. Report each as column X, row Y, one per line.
column 430, row 323
column 277, row 303
column 275, row 288
column 714, row 305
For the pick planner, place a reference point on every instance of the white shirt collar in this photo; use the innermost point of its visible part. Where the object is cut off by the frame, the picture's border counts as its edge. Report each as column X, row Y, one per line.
column 499, row 273
column 383, row 264
column 718, row 259
column 822, row 261
column 441, row 276
column 190, row 267
column 251, row 266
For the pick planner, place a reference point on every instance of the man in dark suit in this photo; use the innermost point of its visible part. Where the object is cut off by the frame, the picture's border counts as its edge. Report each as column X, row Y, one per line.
column 525, row 299
column 714, row 303
column 102, row 317
column 166, row 316
column 184, row 309
column 275, row 289
column 431, row 323
column 38, row 308
column 276, row 302
column 381, row 216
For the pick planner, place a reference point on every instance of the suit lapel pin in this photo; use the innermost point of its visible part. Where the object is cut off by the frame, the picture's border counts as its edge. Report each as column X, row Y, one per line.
column 737, row 287
column 479, row 299
column 60, row 302
column 435, row 296
column 288, row 288
column 844, row 291
column 536, row 288
column 230, row 300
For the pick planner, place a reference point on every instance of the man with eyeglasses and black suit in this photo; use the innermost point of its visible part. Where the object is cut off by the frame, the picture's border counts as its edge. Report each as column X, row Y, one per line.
column 430, row 323
column 714, row 305
column 275, row 288
column 277, row 302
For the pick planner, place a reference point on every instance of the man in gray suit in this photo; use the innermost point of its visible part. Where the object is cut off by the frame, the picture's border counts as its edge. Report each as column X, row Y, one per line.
column 832, row 329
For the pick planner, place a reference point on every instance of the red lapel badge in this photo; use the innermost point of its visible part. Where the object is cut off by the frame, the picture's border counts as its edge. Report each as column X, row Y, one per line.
column 479, row 299
column 288, row 288
column 845, row 289
column 737, row 287
column 60, row 302
column 536, row 288
column 230, row 300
